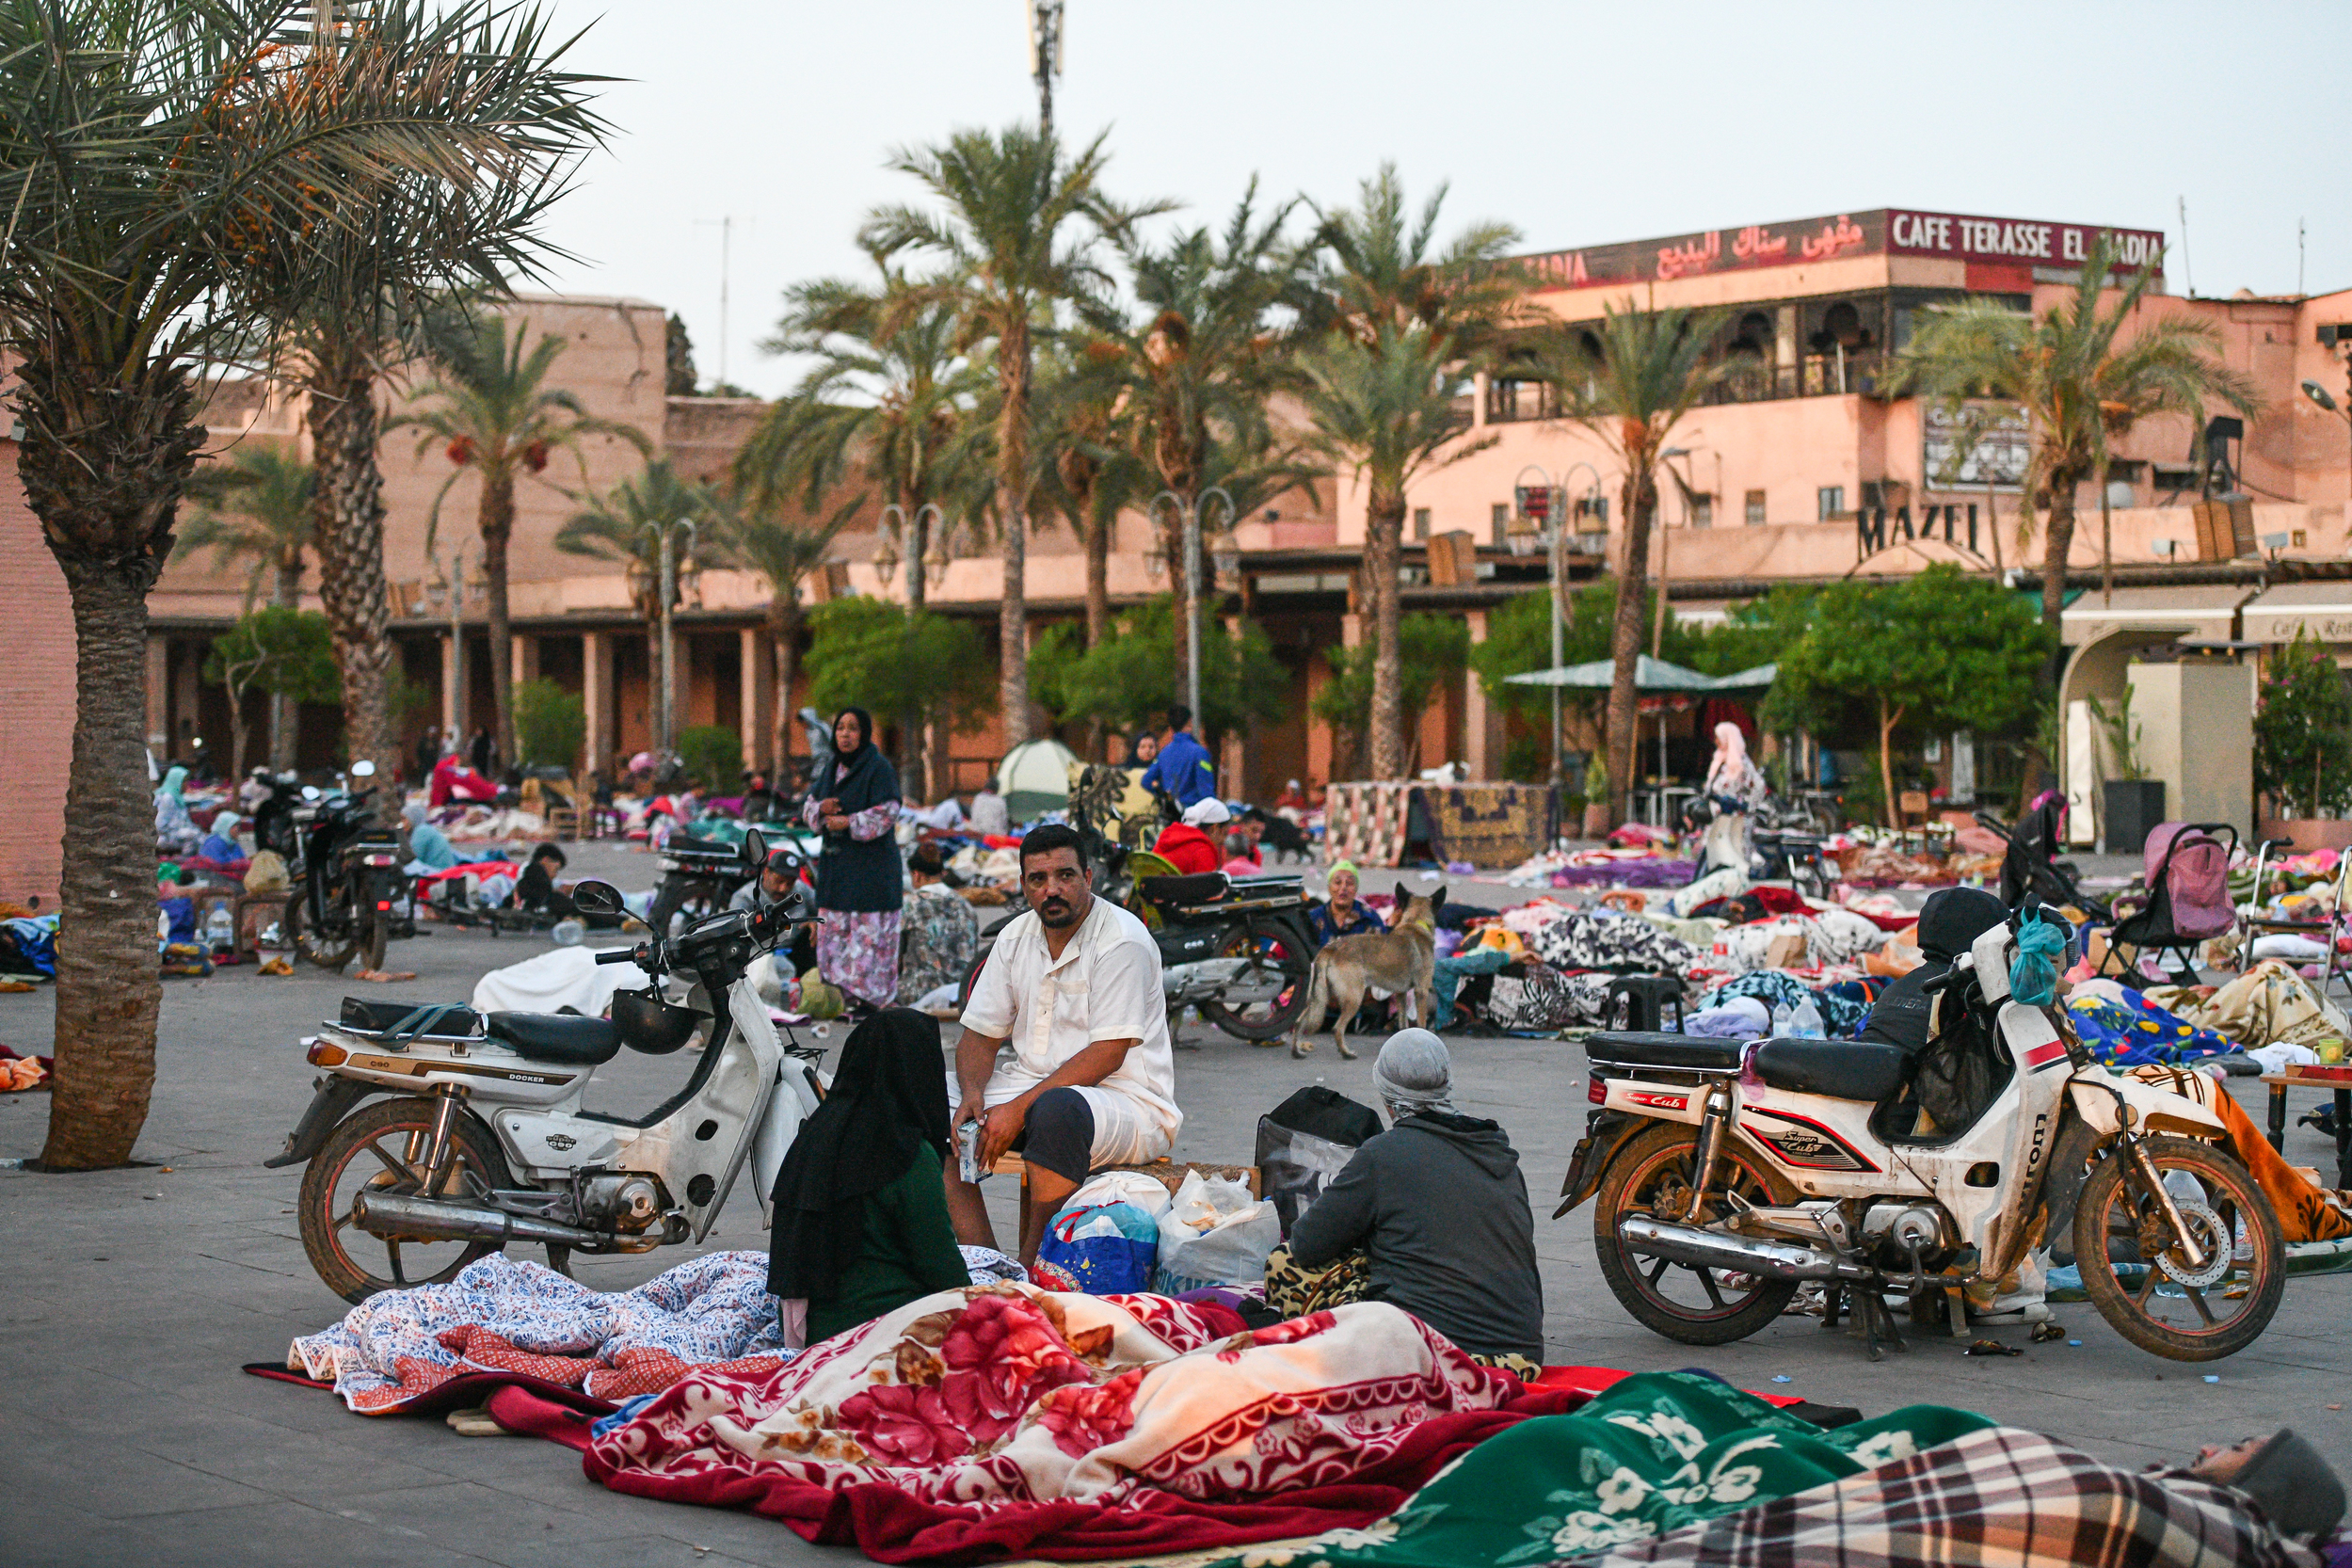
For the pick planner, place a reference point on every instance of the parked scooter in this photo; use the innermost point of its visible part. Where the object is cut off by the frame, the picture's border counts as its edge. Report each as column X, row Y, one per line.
column 1725, row 1175
column 486, row 1144
column 699, row 877
column 348, row 884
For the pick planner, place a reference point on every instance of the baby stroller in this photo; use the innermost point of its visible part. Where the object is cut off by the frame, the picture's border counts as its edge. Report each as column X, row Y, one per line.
column 2187, row 871
column 2031, row 871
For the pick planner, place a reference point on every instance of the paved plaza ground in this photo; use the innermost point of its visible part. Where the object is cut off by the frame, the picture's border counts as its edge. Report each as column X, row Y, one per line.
column 128, row 1299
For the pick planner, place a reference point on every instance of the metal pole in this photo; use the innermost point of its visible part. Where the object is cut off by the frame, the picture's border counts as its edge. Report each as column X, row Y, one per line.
column 1192, row 608
column 456, row 719
column 669, row 652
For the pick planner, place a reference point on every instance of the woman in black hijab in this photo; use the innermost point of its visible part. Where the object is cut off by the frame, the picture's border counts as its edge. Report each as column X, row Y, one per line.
column 861, row 1214
column 854, row 801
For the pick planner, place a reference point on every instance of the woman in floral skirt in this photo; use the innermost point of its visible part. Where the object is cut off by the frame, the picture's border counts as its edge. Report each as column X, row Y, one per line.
column 860, row 881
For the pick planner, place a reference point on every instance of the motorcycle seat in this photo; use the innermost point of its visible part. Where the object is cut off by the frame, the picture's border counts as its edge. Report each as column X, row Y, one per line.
column 556, row 1037
column 1842, row 1069
column 1202, row 887
column 682, row 843
column 1629, row 1048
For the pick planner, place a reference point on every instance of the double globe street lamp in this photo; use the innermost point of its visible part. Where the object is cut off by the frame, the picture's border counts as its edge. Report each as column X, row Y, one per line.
column 1548, row 521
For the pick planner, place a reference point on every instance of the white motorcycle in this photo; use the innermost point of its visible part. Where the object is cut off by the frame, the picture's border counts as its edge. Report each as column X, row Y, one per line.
column 1727, row 1173
column 486, row 1142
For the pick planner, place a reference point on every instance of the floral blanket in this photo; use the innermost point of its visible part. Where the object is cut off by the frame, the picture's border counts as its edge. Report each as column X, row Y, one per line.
column 502, row 1314
column 1008, row 1420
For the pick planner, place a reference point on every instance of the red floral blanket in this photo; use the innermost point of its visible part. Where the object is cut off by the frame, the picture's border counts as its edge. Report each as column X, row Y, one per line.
column 988, row 1423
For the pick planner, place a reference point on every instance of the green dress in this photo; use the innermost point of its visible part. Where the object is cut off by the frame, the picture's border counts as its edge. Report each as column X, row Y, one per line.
column 907, row 1251
column 1653, row 1453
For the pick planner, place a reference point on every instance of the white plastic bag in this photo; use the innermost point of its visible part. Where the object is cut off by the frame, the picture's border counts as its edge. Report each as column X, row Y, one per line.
column 1145, row 1193
column 1214, row 1233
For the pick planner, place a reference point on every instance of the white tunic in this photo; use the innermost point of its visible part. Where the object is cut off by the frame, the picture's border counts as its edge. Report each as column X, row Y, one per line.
column 1104, row 986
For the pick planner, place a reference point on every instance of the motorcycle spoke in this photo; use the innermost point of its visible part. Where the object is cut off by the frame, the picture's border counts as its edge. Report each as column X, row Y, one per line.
column 397, row 1167
column 2147, row 1287
column 2197, row 1299
column 1657, row 1271
column 347, row 1217
column 392, row 1250
column 1707, row 1277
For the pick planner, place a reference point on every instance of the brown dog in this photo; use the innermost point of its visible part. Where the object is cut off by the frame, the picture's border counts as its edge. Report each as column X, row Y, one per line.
column 1401, row 959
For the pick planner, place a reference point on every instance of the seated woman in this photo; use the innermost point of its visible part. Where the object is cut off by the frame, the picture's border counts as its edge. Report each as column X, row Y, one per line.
column 455, row 783
column 1186, row 845
column 1341, row 916
column 1431, row 1216
column 861, row 1216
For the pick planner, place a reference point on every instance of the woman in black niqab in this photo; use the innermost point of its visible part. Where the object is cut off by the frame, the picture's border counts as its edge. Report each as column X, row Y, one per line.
column 861, row 881
column 880, row 1138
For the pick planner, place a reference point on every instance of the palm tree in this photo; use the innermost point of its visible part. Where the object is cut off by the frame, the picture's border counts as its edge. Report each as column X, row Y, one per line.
column 1087, row 469
column 881, row 412
column 491, row 410
column 1016, row 237
column 2078, row 385
column 1647, row 372
column 786, row 547
column 256, row 507
column 1199, row 369
column 626, row 524
column 1403, row 322
column 165, row 168
column 1385, row 411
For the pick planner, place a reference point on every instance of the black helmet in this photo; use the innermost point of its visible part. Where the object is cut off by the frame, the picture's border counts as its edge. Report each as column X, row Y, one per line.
column 652, row 1025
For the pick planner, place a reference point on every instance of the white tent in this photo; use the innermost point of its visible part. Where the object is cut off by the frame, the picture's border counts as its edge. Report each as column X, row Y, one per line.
column 1034, row 779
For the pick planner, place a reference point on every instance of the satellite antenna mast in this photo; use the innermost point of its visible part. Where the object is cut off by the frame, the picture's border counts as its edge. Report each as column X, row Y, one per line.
column 726, row 227
column 1044, row 55
column 2188, row 274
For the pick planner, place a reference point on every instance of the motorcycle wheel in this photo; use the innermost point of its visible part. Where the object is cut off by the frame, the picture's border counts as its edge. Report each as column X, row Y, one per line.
column 381, row 1148
column 1652, row 1175
column 1265, row 1020
column 2120, row 1228
column 315, row 946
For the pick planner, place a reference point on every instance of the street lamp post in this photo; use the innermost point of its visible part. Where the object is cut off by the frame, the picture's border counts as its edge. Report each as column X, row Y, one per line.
column 667, row 533
column 1225, row 549
column 1523, row 537
column 2318, row 394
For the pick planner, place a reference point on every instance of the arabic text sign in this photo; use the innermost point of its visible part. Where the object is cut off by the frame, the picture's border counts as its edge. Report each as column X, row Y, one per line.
column 1884, row 231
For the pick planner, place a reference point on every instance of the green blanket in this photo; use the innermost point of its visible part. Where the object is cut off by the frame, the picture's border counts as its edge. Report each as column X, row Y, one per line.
column 1656, row 1452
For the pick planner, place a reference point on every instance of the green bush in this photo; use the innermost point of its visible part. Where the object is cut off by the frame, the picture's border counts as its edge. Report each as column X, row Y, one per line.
column 550, row 724
column 863, row 652
column 712, row 756
column 1129, row 680
column 2303, row 733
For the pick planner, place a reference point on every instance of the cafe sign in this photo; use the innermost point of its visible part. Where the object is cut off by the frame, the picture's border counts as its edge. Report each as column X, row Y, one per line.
column 2011, row 242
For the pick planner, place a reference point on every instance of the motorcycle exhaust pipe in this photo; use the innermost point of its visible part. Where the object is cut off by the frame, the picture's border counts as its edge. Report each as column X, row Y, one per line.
column 1709, row 1249
column 380, row 1212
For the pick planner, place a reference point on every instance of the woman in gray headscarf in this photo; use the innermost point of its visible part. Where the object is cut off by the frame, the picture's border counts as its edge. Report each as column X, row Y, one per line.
column 1431, row 1216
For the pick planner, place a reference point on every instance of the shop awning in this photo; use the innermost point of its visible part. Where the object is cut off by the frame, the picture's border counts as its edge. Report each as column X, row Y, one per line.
column 2200, row 611
column 1650, row 675
column 2323, row 610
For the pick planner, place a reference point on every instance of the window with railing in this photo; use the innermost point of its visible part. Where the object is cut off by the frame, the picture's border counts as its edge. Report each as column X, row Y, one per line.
column 1510, row 401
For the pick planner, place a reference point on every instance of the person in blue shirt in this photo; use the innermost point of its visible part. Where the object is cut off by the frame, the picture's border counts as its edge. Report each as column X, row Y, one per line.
column 1182, row 769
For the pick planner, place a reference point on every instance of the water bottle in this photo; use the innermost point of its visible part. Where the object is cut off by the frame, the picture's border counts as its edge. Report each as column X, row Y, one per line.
column 1806, row 1022
column 220, row 930
column 1783, row 1021
column 570, row 933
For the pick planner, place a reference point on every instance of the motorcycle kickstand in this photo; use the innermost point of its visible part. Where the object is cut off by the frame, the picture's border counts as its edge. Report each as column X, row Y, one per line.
column 1873, row 1321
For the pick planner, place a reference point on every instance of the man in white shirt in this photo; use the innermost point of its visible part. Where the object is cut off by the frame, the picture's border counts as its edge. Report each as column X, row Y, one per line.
column 1072, row 986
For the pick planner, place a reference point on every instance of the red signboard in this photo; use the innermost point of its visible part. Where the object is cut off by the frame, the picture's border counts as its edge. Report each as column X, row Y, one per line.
column 1884, row 231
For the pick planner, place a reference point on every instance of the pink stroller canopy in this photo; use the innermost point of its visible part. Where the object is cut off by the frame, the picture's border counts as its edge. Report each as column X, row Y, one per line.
column 2196, row 881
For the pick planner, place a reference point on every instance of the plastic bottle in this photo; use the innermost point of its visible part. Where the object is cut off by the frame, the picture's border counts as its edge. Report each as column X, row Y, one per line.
column 220, row 932
column 569, row 934
column 1806, row 1022
column 1783, row 1021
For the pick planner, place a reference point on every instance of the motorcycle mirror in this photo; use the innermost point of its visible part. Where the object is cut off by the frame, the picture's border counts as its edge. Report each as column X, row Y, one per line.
column 363, row 769
column 756, row 846
column 597, row 898
column 310, row 791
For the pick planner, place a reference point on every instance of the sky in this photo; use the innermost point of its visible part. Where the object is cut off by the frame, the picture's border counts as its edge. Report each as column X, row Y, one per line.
column 1579, row 123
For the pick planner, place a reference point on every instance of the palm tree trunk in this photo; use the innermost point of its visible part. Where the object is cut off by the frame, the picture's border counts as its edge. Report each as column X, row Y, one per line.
column 1097, row 578
column 910, row 736
column 282, row 718
column 784, row 637
column 109, row 990
column 1179, row 611
column 1639, row 501
column 2054, row 550
column 498, row 531
column 1383, row 544
column 348, row 506
column 1887, row 720
column 1013, row 372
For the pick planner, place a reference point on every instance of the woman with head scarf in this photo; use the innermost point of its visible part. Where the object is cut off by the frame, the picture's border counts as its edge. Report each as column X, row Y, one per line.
column 853, row 800
column 1431, row 1216
column 861, row 1214
column 174, row 833
column 1340, row 915
column 1731, row 775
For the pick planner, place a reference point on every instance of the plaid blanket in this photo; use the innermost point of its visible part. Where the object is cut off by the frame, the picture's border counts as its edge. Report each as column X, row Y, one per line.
column 1995, row 1496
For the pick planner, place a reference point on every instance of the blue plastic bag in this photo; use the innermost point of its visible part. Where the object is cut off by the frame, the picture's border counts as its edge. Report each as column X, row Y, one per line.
column 1108, row 1248
column 2033, row 978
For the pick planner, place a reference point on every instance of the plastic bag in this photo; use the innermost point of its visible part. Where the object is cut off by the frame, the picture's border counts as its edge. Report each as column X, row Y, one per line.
column 1214, row 1233
column 1148, row 1193
column 1106, row 1249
